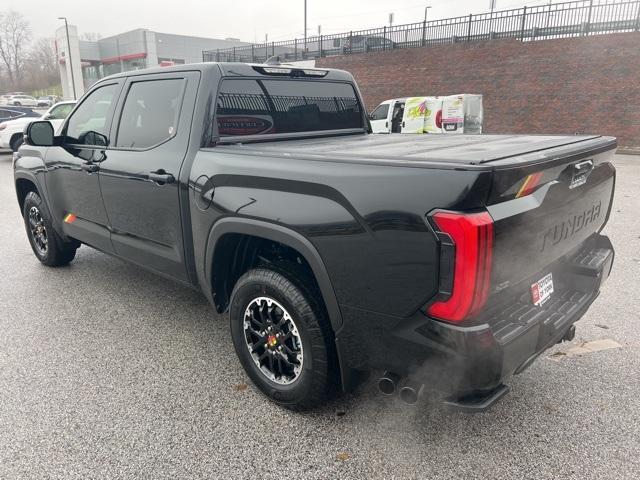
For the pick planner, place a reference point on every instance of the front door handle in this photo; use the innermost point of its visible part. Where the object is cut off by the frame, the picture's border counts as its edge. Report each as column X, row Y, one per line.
column 161, row 177
column 90, row 167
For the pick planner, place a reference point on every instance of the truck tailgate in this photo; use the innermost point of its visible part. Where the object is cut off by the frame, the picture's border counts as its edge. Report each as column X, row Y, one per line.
column 546, row 210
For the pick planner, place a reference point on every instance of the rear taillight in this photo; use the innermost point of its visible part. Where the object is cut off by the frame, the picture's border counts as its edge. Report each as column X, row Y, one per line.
column 472, row 238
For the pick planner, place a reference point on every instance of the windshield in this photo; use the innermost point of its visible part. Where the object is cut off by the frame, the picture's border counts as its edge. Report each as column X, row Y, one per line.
column 263, row 107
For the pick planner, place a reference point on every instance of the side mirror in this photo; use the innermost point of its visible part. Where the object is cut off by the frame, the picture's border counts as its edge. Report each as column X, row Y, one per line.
column 40, row 134
column 94, row 138
column 47, row 117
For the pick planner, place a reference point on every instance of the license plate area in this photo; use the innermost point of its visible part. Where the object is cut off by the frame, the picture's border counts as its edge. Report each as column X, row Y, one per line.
column 541, row 290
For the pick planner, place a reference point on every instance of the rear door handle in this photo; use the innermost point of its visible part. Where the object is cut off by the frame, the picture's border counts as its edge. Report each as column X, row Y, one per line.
column 161, row 177
column 90, row 167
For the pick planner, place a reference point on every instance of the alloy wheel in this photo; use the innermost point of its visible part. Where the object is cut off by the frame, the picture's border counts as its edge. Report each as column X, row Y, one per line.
column 273, row 340
column 38, row 231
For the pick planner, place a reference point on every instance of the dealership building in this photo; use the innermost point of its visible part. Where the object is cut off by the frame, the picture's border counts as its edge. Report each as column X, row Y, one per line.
column 134, row 50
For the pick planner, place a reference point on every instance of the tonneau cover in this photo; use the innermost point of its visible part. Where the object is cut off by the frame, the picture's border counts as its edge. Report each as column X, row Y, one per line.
column 415, row 149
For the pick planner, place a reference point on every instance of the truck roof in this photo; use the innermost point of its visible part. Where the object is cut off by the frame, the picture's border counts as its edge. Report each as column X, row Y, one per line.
column 232, row 69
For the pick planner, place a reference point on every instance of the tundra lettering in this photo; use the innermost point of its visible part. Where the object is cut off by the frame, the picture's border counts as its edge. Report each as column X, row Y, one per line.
column 573, row 225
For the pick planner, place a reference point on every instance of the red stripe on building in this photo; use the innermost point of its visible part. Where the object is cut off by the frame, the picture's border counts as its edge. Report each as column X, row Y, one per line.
column 131, row 56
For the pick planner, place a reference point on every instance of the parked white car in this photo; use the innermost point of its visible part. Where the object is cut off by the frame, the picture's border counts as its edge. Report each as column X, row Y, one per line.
column 22, row 101
column 11, row 131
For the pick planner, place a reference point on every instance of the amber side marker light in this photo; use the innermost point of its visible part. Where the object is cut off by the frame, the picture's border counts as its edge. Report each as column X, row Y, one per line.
column 530, row 184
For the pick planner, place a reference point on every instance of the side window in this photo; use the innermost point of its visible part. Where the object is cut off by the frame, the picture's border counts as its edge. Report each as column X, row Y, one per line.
column 150, row 113
column 91, row 117
column 381, row 112
column 60, row 112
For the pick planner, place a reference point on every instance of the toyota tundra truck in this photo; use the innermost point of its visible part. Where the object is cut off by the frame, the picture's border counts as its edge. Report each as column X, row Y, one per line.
column 446, row 263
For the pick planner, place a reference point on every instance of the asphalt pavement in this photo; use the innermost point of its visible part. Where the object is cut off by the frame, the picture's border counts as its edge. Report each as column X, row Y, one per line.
column 107, row 371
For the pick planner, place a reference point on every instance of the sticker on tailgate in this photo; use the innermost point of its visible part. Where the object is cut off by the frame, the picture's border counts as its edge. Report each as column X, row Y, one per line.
column 541, row 290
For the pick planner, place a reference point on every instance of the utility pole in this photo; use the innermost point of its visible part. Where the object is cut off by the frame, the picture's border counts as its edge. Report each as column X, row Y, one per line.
column 305, row 25
column 391, row 19
column 73, row 81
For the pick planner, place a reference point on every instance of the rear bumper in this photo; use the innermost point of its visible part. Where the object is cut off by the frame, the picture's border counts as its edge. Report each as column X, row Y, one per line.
column 467, row 362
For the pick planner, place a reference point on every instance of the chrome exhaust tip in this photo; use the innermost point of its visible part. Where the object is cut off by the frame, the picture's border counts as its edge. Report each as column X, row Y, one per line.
column 410, row 392
column 388, row 382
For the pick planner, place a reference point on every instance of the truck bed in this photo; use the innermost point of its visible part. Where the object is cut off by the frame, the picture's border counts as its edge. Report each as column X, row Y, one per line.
column 441, row 151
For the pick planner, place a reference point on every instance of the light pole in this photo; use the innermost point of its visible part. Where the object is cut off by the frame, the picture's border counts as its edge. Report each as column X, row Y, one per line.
column 424, row 25
column 425, row 12
column 73, row 81
column 305, row 25
column 492, row 6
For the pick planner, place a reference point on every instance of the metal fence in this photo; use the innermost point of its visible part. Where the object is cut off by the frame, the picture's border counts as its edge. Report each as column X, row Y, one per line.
column 560, row 20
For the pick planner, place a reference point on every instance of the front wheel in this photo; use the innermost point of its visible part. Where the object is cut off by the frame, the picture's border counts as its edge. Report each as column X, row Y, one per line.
column 46, row 244
column 282, row 339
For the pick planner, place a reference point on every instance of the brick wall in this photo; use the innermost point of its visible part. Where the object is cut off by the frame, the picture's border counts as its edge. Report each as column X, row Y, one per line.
column 574, row 85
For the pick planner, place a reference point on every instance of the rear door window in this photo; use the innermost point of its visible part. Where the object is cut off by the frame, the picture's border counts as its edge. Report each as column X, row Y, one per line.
column 150, row 113
column 262, row 107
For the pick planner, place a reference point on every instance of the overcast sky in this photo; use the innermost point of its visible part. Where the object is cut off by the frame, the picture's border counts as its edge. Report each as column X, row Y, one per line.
column 244, row 19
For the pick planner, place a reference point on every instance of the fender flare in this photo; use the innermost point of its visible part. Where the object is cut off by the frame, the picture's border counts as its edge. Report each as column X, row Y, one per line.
column 280, row 234
column 26, row 175
column 42, row 192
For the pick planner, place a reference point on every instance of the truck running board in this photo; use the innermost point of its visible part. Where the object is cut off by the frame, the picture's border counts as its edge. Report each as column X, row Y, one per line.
column 477, row 403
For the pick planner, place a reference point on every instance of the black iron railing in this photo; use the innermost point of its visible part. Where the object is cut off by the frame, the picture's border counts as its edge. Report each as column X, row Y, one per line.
column 559, row 20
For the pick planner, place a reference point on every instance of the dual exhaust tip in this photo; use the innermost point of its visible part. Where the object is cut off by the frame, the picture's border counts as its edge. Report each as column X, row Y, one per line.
column 408, row 390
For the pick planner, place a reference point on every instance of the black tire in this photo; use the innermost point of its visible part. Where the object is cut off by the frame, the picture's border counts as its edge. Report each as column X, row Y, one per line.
column 52, row 251
column 16, row 142
column 17, row 104
column 318, row 374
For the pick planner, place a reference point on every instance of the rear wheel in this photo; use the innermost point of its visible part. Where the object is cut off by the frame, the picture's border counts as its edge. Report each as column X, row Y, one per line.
column 17, row 104
column 282, row 339
column 46, row 244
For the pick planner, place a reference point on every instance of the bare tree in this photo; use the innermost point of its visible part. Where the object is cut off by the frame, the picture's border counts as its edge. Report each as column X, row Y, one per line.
column 41, row 69
column 15, row 34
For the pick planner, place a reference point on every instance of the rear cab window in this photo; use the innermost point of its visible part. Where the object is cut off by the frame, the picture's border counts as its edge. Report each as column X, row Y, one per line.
column 272, row 106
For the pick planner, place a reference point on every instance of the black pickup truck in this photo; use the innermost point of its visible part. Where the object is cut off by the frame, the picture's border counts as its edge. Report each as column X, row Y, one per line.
column 448, row 262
